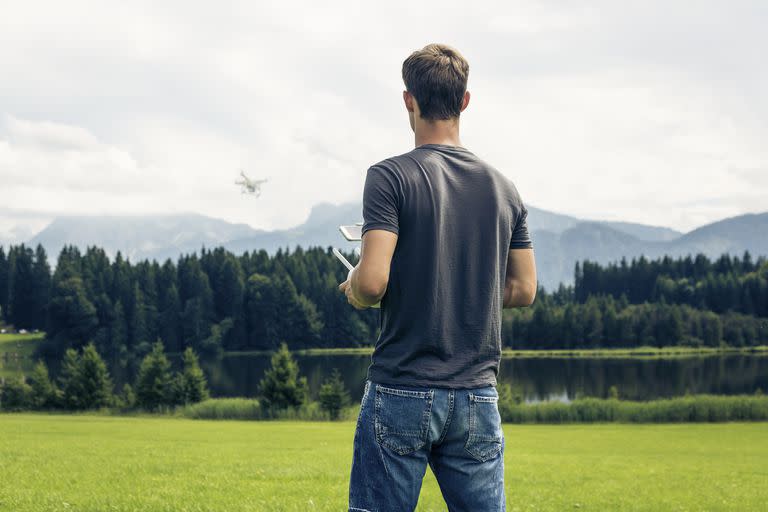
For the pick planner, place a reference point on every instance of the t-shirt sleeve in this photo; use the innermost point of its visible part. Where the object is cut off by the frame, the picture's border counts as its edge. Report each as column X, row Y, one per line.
column 521, row 239
column 381, row 203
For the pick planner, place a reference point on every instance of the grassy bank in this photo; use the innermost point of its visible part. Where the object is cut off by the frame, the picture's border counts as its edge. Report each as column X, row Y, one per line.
column 690, row 409
column 19, row 345
column 686, row 409
column 660, row 352
column 86, row 462
column 24, row 345
column 639, row 352
column 250, row 409
column 16, row 353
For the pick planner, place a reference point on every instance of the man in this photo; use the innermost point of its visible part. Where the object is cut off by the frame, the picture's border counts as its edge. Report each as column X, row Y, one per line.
column 445, row 247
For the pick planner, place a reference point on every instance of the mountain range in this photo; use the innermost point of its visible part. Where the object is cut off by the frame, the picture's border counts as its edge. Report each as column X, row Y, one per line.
column 559, row 240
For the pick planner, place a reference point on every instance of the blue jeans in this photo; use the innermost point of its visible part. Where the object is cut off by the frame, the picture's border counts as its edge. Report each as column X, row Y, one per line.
column 401, row 429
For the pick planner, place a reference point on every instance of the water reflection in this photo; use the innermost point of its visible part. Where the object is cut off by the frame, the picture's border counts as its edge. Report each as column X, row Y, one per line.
column 535, row 379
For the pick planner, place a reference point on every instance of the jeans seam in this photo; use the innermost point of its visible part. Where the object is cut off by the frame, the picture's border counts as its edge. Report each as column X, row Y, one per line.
column 402, row 392
column 472, row 435
column 423, row 435
column 376, row 437
column 427, row 415
column 448, row 418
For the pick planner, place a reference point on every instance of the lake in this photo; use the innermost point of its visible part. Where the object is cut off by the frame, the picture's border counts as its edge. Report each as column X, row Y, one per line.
column 534, row 378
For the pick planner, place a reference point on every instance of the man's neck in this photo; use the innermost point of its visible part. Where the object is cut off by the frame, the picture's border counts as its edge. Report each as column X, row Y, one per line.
column 437, row 132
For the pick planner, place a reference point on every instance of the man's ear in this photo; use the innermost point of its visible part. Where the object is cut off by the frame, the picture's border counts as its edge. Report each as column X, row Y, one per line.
column 408, row 99
column 465, row 101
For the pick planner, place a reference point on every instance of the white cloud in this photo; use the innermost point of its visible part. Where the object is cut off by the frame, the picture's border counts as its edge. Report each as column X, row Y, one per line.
column 652, row 113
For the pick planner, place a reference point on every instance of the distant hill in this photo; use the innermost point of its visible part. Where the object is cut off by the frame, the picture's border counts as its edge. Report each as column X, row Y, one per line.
column 559, row 240
column 139, row 237
column 727, row 235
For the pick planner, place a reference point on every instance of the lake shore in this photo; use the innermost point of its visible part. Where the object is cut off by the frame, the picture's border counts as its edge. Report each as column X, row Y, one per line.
column 24, row 345
column 639, row 352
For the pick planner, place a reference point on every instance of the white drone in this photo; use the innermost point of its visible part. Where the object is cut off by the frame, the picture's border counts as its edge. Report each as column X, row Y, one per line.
column 250, row 186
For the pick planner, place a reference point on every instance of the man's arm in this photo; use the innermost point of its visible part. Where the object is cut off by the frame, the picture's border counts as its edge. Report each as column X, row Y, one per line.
column 371, row 275
column 520, row 282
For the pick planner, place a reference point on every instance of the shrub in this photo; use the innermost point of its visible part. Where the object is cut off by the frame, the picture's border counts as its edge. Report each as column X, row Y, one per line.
column 333, row 395
column 126, row 399
column 281, row 386
column 15, row 394
column 695, row 408
column 224, row 409
column 508, row 398
column 45, row 394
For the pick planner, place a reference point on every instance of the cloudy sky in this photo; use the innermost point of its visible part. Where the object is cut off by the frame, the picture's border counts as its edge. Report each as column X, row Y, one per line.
column 652, row 112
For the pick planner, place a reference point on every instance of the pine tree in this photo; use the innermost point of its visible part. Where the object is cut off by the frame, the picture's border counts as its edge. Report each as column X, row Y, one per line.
column 169, row 315
column 69, row 378
column 96, row 383
column 41, row 285
column 23, row 300
column 333, row 395
column 73, row 317
column 118, row 330
column 126, row 399
column 281, row 385
column 261, row 312
column 44, row 392
column 138, row 323
column 153, row 384
column 193, row 383
column 4, row 285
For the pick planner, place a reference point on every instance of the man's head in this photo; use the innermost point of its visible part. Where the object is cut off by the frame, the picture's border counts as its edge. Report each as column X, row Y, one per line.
column 436, row 78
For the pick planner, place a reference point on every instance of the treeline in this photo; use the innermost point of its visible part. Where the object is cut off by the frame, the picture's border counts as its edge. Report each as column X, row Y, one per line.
column 84, row 383
column 25, row 286
column 212, row 302
column 603, row 322
column 218, row 301
column 726, row 284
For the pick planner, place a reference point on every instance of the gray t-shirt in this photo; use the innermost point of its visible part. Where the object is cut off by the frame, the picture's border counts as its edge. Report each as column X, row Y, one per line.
column 456, row 218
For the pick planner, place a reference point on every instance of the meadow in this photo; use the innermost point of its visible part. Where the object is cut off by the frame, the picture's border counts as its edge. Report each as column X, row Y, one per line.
column 58, row 462
column 16, row 351
column 20, row 345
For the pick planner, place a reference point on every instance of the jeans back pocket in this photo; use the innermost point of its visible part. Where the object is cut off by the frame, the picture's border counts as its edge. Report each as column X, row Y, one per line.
column 401, row 418
column 484, row 440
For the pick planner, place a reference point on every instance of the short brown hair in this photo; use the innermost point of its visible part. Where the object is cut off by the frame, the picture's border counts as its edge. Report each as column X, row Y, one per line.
column 436, row 75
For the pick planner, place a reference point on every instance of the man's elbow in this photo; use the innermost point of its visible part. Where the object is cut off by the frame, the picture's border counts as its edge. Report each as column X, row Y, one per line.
column 521, row 293
column 372, row 293
column 530, row 290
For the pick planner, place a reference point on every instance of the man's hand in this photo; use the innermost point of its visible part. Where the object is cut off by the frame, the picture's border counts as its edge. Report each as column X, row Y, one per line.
column 346, row 287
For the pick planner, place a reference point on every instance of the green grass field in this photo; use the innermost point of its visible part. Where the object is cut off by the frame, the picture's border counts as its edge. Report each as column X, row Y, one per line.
column 16, row 353
column 101, row 463
column 23, row 344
